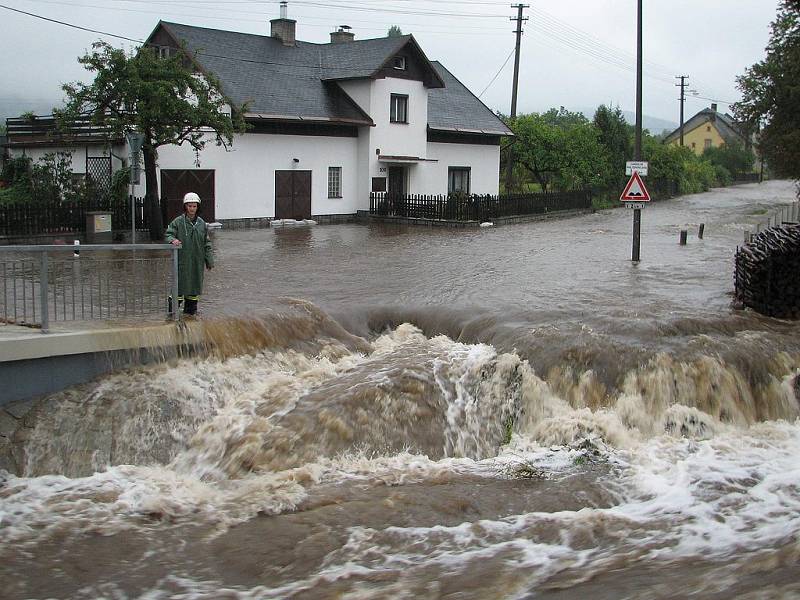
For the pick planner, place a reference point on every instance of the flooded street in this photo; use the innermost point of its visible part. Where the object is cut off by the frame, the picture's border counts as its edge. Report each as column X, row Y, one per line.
column 393, row 412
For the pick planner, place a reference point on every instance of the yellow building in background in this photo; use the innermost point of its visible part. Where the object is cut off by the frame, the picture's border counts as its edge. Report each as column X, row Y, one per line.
column 707, row 129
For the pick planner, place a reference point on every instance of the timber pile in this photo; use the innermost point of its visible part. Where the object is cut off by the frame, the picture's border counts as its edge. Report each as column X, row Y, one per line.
column 767, row 274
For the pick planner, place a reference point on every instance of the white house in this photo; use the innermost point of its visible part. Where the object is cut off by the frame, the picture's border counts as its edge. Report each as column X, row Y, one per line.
column 329, row 123
column 94, row 153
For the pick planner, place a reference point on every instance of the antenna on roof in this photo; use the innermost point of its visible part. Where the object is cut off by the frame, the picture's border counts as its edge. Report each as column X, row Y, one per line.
column 284, row 9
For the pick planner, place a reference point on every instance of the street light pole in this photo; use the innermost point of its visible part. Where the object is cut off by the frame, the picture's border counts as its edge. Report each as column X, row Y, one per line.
column 637, row 146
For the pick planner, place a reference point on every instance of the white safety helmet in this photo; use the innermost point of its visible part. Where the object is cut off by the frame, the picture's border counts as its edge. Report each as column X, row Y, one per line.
column 191, row 197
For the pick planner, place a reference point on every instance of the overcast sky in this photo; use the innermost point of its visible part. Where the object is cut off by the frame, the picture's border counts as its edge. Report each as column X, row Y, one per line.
column 575, row 53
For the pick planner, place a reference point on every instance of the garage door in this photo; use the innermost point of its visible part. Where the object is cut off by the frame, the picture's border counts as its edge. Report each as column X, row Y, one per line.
column 293, row 195
column 175, row 183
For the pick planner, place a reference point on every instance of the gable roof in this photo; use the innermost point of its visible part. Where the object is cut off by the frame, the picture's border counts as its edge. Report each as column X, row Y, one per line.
column 724, row 124
column 297, row 83
column 455, row 108
column 275, row 81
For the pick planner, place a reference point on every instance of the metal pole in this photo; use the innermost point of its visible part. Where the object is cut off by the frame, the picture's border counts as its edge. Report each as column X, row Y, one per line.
column 43, row 292
column 515, row 86
column 682, row 99
column 637, row 148
column 133, row 216
column 176, row 314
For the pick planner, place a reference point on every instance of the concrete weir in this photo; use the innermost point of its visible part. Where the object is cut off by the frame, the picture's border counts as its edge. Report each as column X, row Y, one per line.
column 33, row 363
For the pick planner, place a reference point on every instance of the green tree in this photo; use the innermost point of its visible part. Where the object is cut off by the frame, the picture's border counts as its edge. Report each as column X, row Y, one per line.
column 164, row 99
column 560, row 149
column 394, row 31
column 616, row 136
column 733, row 157
column 771, row 94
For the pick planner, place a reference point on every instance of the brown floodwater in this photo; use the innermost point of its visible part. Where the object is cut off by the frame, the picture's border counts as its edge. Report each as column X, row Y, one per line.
column 398, row 412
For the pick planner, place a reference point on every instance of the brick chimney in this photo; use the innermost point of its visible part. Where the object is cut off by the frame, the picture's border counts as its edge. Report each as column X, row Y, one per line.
column 342, row 35
column 283, row 28
column 714, row 106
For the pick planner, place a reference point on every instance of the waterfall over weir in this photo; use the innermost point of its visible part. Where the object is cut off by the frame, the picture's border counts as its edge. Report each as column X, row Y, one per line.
column 270, row 394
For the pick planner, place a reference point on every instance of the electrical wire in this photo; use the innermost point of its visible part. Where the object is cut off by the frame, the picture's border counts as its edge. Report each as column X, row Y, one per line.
column 505, row 62
column 544, row 24
column 122, row 37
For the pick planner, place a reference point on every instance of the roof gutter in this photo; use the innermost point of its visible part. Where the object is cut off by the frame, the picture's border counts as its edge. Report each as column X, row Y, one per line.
column 302, row 119
column 507, row 133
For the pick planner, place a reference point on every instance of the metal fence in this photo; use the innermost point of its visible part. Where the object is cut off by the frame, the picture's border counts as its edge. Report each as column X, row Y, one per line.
column 458, row 207
column 33, row 218
column 42, row 285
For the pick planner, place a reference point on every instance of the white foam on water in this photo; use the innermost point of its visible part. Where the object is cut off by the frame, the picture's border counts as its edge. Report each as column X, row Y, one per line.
column 690, row 483
column 736, row 491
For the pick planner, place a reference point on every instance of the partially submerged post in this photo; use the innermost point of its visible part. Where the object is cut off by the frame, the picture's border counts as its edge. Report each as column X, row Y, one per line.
column 683, row 237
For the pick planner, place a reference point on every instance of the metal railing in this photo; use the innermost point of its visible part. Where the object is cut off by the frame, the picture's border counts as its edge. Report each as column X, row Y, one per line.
column 45, row 284
column 475, row 207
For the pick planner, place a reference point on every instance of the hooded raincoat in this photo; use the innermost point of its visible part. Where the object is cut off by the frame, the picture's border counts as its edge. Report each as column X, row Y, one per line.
column 194, row 254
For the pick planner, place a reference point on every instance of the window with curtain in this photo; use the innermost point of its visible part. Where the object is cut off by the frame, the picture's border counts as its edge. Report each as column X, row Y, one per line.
column 458, row 180
column 398, row 109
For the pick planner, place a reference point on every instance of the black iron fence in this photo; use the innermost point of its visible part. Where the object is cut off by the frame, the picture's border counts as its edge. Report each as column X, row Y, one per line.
column 32, row 218
column 746, row 178
column 459, row 207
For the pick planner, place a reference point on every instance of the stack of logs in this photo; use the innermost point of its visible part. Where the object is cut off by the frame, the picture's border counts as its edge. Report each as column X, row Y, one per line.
column 767, row 275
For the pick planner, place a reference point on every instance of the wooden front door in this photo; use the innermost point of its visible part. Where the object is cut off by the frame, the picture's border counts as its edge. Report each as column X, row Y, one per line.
column 397, row 181
column 175, row 183
column 293, row 195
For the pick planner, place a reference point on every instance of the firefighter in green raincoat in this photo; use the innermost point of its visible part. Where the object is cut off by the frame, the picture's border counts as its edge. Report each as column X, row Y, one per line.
column 190, row 233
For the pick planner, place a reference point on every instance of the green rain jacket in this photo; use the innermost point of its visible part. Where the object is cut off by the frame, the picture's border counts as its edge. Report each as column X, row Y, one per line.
column 194, row 253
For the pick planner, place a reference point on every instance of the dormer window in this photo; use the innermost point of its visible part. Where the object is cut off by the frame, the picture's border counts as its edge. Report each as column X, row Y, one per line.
column 399, row 63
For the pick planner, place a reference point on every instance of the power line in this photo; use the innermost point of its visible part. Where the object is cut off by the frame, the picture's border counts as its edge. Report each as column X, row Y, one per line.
column 122, row 37
column 505, row 62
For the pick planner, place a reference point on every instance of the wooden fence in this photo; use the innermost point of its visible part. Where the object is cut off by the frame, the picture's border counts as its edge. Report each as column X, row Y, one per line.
column 457, row 207
column 32, row 218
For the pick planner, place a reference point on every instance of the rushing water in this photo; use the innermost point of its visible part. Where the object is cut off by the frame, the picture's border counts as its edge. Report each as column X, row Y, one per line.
column 384, row 412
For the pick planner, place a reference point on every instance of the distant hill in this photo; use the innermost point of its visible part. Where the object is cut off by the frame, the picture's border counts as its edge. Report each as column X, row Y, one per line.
column 652, row 124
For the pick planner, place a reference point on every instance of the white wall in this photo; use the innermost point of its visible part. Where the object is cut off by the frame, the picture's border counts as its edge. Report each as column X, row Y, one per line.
column 483, row 160
column 35, row 153
column 244, row 178
column 399, row 139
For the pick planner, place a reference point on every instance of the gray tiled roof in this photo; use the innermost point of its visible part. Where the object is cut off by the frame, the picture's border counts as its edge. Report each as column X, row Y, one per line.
column 276, row 80
column 455, row 108
column 725, row 125
column 295, row 82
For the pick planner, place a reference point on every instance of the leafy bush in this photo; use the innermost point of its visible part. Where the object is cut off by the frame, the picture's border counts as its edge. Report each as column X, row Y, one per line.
column 16, row 170
column 120, row 183
column 52, row 179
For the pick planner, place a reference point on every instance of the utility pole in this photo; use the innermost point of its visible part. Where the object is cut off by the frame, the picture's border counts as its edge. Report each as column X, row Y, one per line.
column 682, row 99
column 637, row 146
column 510, row 156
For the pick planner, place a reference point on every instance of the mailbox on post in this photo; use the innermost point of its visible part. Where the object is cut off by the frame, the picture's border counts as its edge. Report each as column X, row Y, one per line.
column 98, row 227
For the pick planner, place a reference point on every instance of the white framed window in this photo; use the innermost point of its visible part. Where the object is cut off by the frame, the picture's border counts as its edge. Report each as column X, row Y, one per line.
column 398, row 109
column 399, row 63
column 334, row 182
column 458, row 180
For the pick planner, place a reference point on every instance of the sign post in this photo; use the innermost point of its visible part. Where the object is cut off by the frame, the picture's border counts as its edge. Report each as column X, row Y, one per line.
column 135, row 141
column 635, row 196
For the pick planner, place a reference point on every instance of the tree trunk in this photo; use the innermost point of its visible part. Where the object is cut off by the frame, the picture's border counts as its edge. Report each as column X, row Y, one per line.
column 151, row 197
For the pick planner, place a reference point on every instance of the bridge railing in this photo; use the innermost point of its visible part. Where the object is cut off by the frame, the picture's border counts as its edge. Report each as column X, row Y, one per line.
column 45, row 284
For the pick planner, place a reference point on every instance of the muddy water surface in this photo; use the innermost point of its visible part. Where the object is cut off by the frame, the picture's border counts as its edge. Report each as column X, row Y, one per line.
column 385, row 412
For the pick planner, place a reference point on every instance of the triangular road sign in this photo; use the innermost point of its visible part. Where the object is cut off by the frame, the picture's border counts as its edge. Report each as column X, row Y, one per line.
column 635, row 190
